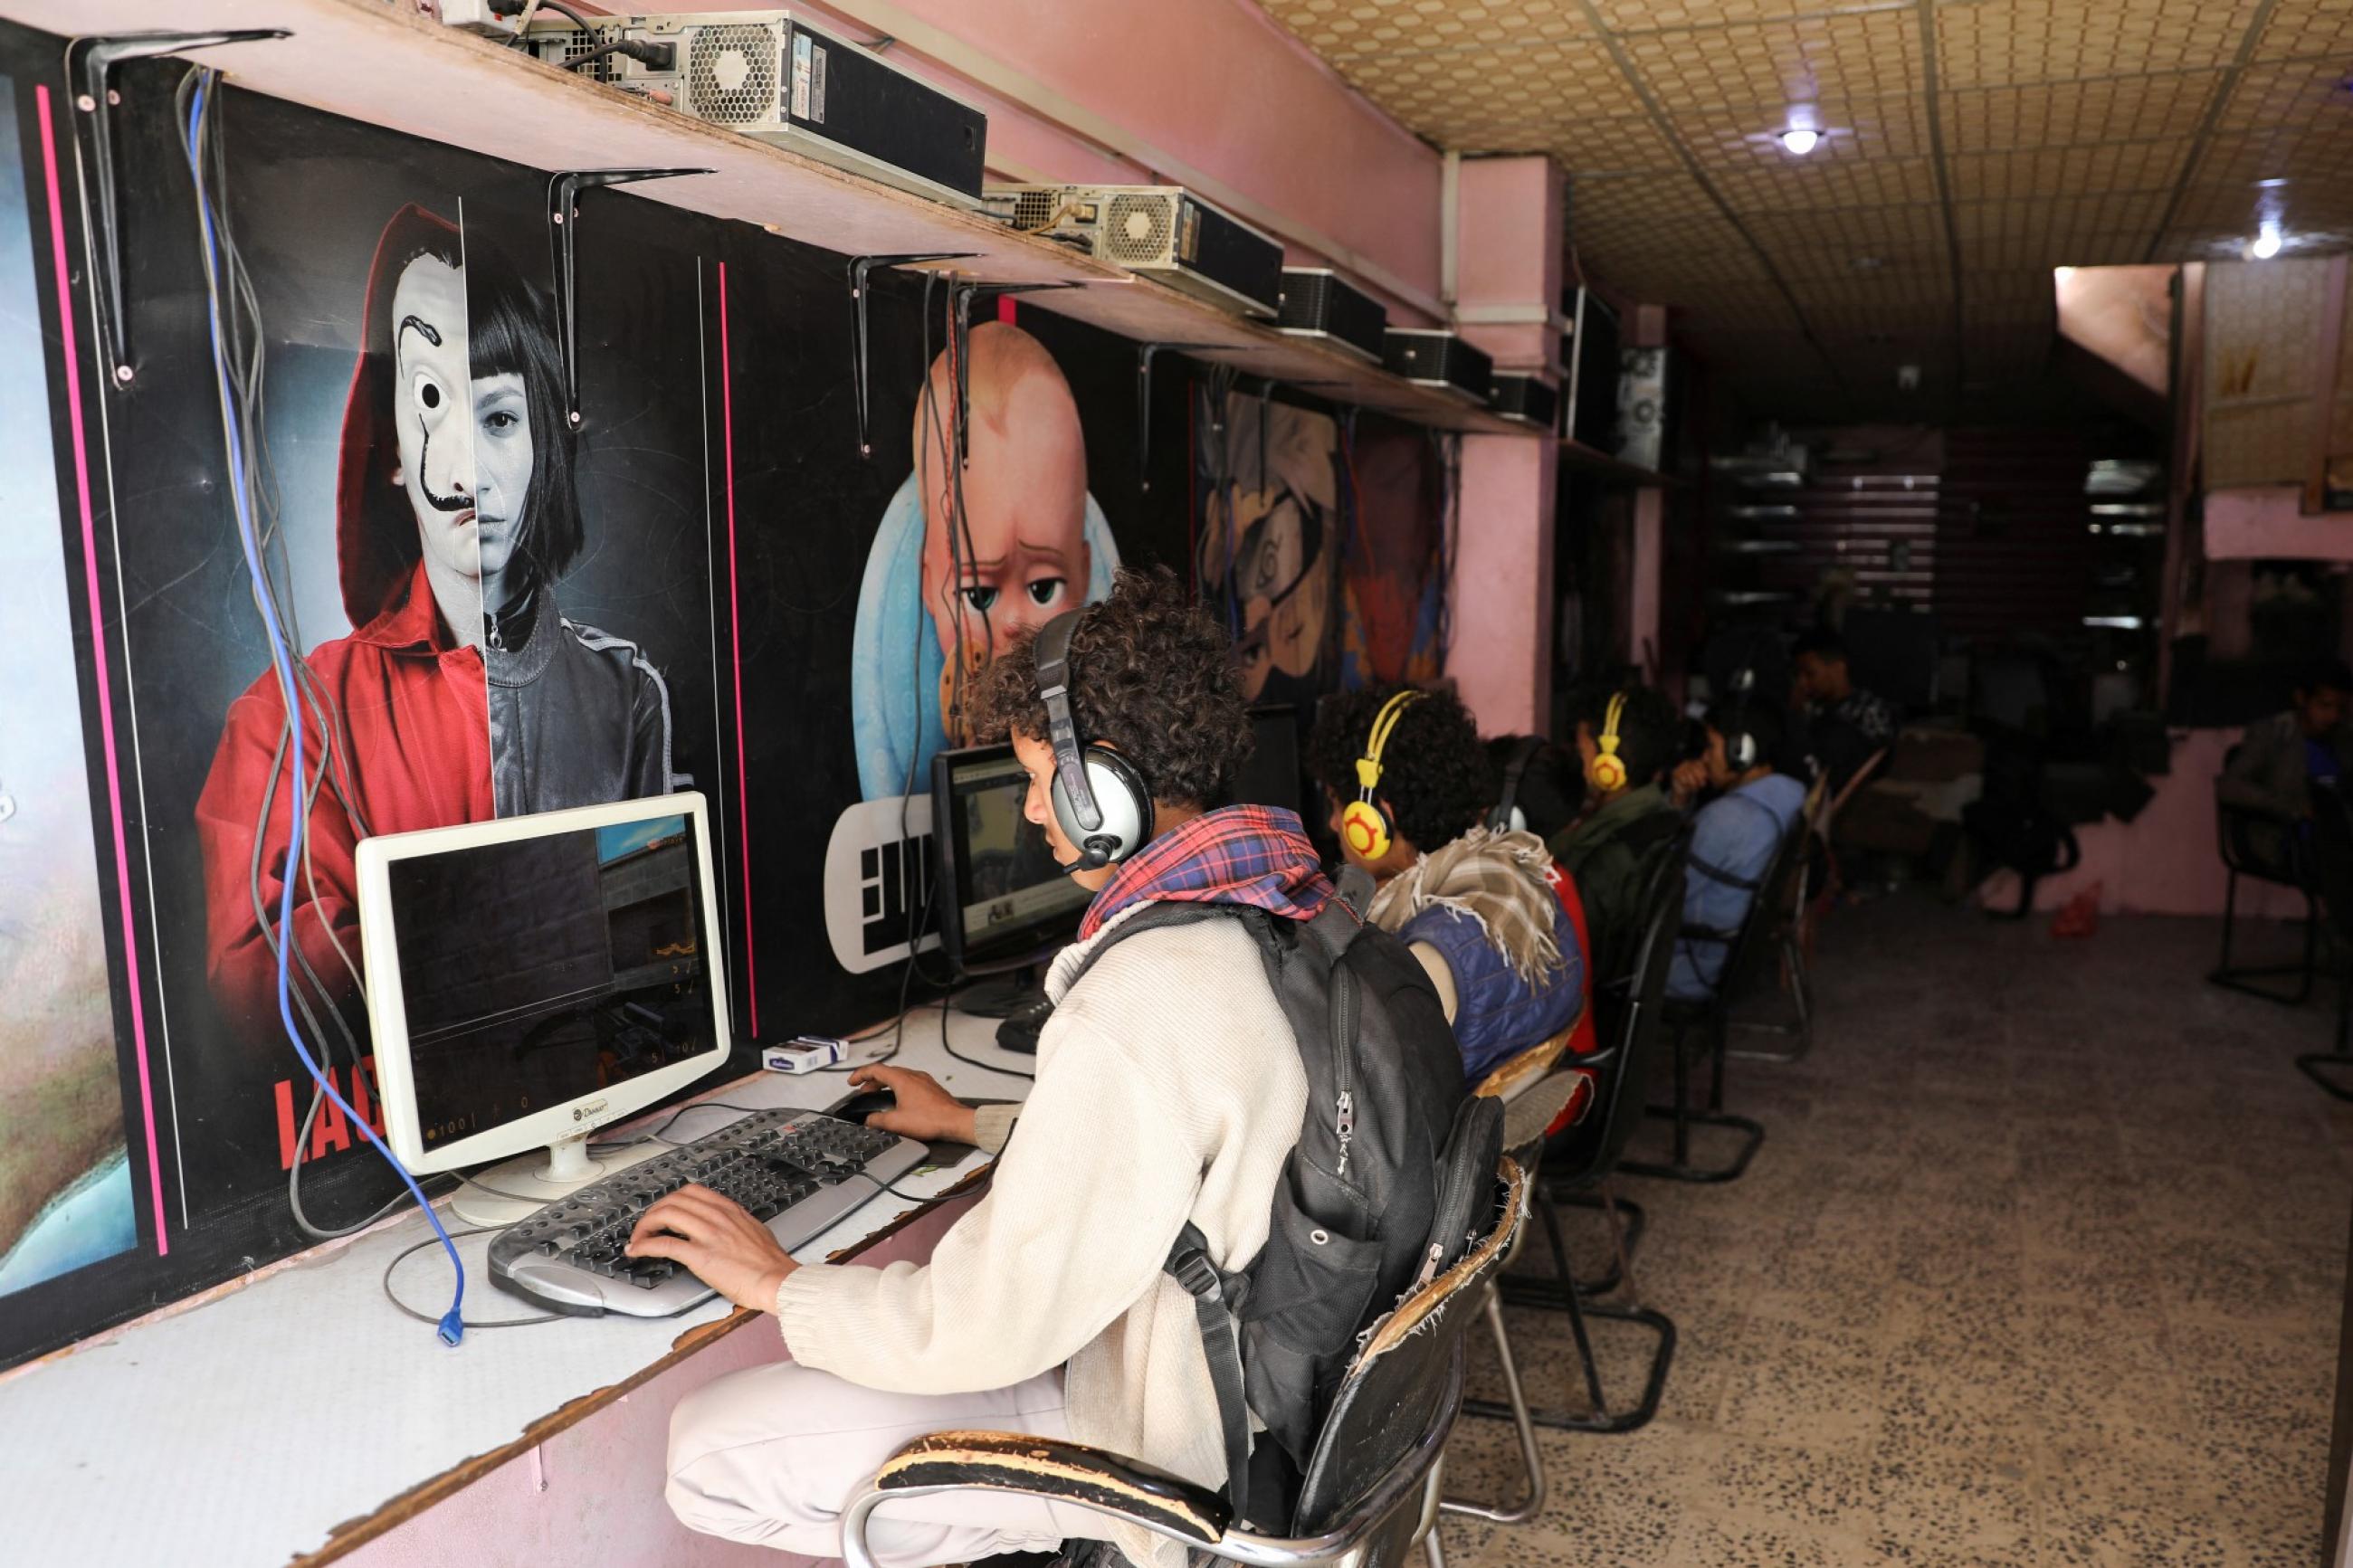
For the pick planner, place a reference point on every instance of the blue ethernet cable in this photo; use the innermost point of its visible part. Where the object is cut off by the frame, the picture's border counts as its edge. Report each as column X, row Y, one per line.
column 452, row 1324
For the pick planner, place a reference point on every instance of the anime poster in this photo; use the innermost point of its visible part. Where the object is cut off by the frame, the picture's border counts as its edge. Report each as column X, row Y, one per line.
column 971, row 552
column 65, row 1172
column 1396, row 560
column 497, row 611
column 1274, row 503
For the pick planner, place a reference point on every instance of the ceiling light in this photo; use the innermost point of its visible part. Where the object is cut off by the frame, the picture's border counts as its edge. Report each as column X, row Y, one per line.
column 2266, row 243
column 1800, row 139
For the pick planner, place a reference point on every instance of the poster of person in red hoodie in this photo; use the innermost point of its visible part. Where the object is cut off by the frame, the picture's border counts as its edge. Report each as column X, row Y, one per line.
column 463, row 690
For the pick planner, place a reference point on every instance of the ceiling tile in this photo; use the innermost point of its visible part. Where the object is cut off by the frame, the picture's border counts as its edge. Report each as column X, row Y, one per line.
column 1612, row 143
column 1664, row 16
column 1853, row 131
column 1844, row 56
column 2071, row 113
column 2306, row 29
column 1828, row 243
column 1993, row 43
column 1337, row 28
column 1796, row 186
column 2069, row 173
column 2308, row 93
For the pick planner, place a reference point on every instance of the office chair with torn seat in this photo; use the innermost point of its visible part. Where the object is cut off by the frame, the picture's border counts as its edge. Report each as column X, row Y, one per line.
column 1370, row 1496
column 1535, row 1096
column 1704, row 1026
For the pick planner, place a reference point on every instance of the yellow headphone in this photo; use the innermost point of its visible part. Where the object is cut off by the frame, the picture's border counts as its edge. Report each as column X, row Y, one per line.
column 1364, row 823
column 1607, row 771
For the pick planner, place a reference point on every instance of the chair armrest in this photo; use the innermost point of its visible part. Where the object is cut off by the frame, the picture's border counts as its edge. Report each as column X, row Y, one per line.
column 1061, row 1472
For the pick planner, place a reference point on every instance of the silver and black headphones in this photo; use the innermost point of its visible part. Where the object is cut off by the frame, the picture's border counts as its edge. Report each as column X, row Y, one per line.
column 1100, row 801
column 1507, row 816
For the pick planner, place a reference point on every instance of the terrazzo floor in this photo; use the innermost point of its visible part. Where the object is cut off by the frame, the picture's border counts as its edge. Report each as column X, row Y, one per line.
column 2040, row 1262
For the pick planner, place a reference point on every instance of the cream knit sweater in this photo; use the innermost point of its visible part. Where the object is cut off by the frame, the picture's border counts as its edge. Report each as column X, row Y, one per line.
column 1168, row 1089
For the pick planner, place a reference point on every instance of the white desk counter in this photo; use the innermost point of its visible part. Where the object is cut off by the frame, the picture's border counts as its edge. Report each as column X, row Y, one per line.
column 297, row 1414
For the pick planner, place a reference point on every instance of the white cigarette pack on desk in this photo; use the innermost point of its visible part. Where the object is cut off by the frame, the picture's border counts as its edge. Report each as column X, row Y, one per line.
column 805, row 1053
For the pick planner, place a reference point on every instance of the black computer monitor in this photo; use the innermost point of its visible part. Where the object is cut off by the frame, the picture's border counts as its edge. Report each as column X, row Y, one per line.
column 1271, row 776
column 1007, row 900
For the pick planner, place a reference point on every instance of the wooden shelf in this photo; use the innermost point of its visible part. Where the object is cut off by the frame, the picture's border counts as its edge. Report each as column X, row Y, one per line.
column 1577, row 455
column 385, row 65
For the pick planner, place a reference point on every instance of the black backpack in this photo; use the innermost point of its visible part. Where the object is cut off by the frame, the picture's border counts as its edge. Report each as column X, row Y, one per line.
column 1393, row 1170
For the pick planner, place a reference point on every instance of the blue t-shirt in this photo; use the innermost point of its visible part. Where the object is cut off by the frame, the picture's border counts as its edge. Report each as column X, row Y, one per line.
column 2320, row 762
column 1735, row 835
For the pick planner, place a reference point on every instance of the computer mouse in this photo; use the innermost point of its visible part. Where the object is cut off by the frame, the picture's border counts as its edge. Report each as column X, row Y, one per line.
column 865, row 1104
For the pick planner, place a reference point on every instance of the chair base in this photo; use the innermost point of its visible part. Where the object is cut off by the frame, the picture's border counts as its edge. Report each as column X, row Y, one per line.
column 2242, row 979
column 1801, row 1026
column 2312, row 1062
column 1519, row 1291
column 1681, row 1169
column 1654, row 1384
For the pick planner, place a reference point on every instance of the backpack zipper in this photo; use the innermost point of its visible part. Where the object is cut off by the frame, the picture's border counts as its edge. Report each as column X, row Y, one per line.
column 1344, row 1056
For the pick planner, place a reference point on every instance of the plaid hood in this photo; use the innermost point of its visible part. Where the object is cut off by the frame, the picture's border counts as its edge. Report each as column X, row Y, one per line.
column 1252, row 855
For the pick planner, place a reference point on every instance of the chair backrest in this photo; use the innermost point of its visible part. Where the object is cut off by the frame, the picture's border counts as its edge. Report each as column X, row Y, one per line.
column 1766, row 911
column 1862, row 775
column 2331, row 856
column 1637, row 1018
column 1389, row 1418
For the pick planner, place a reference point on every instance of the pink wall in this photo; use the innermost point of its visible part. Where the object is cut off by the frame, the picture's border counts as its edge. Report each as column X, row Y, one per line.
column 2164, row 862
column 593, row 1493
column 1508, row 255
column 2268, row 522
column 1501, row 595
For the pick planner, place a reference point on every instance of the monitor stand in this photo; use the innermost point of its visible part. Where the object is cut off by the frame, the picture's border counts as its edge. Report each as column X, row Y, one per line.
column 529, row 1183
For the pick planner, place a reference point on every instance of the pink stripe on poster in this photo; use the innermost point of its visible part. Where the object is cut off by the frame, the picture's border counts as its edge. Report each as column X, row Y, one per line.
column 735, row 643
column 98, row 657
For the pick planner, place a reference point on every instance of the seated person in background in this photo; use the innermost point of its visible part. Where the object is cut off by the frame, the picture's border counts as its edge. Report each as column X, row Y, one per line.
column 1626, row 739
column 1402, row 768
column 1733, row 838
column 2275, row 764
column 1845, row 723
column 1169, row 1090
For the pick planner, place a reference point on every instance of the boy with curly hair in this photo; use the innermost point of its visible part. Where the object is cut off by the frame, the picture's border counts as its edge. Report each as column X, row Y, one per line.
column 1169, row 1090
column 1478, row 909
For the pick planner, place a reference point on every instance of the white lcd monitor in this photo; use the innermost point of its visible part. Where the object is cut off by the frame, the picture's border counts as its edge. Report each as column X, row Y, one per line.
column 534, row 978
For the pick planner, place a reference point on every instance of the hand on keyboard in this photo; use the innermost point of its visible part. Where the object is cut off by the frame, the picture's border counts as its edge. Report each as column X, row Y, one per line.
column 717, row 1240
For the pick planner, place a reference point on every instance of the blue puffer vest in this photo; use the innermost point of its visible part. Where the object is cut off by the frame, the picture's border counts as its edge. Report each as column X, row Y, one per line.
column 1496, row 1013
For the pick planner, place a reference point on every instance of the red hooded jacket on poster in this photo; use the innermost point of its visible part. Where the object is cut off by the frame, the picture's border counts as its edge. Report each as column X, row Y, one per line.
column 414, row 751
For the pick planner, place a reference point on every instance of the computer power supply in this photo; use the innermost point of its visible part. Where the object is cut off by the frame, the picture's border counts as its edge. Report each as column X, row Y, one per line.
column 1526, row 400
column 1321, row 305
column 771, row 76
column 1441, row 361
column 1165, row 232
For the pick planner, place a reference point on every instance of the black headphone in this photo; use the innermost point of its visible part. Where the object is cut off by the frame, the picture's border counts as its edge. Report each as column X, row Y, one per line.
column 1507, row 816
column 1100, row 801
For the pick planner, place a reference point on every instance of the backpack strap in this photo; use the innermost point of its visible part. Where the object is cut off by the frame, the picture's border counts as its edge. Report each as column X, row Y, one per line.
column 1718, row 874
column 1190, row 1266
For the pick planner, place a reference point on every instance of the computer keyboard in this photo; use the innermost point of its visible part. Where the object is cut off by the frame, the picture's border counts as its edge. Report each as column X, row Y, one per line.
column 797, row 1171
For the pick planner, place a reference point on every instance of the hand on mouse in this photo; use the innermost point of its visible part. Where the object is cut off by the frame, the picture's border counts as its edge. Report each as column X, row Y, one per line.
column 718, row 1240
column 925, row 1111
